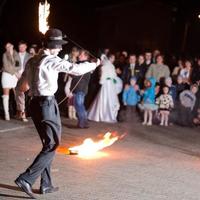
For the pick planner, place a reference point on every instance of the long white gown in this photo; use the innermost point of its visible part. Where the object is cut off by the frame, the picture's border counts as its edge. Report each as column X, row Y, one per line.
column 106, row 105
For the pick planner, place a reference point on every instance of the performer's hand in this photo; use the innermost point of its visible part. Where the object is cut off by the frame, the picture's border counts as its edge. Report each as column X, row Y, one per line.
column 69, row 94
column 98, row 62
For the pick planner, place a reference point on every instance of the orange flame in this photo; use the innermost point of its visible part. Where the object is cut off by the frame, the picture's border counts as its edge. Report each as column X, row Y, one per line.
column 89, row 148
column 44, row 11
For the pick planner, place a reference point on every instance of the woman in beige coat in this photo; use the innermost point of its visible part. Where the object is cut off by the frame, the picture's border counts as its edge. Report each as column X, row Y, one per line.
column 10, row 74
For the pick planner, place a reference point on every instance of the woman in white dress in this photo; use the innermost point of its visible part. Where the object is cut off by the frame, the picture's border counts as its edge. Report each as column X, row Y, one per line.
column 106, row 105
column 10, row 74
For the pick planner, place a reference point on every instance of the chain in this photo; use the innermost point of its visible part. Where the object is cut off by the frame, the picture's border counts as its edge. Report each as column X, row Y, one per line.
column 71, row 90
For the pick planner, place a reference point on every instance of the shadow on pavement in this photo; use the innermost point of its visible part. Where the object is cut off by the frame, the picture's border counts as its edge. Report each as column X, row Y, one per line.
column 11, row 187
column 14, row 196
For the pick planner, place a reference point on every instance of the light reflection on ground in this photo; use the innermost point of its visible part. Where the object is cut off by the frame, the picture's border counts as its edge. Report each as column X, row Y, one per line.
column 97, row 155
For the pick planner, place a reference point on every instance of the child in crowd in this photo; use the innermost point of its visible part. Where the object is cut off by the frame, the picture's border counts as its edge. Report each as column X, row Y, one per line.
column 187, row 102
column 148, row 100
column 165, row 103
column 188, row 97
column 172, row 88
column 130, row 98
column 180, row 86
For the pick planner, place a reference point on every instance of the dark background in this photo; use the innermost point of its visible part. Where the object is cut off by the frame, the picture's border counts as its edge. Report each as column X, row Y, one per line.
column 133, row 25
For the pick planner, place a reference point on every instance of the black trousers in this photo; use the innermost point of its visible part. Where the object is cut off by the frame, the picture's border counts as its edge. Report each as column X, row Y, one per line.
column 46, row 117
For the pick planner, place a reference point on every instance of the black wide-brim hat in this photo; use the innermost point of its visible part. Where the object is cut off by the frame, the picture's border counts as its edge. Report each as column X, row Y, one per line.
column 53, row 39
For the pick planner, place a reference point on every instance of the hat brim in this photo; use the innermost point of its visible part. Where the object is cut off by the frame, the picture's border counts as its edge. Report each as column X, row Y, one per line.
column 55, row 44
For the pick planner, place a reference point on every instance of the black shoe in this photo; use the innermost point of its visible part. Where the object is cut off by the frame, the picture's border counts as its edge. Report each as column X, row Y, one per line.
column 51, row 189
column 25, row 187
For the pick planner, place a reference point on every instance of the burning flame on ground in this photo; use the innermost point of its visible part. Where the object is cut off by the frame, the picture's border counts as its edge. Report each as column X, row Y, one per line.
column 91, row 149
column 44, row 11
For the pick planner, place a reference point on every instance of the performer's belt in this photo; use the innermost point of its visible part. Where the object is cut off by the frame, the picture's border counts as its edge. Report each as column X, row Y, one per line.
column 43, row 98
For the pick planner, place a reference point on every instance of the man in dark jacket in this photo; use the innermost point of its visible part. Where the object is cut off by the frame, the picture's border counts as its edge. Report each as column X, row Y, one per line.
column 129, row 70
column 79, row 86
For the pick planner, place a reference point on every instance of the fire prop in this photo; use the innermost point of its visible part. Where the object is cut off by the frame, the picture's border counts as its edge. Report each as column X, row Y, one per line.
column 90, row 149
column 44, row 11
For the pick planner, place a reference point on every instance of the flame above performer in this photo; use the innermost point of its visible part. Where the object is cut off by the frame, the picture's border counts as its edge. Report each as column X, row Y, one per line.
column 44, row 11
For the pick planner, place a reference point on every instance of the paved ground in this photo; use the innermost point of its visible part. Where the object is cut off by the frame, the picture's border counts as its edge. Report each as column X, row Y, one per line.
column 150, row 163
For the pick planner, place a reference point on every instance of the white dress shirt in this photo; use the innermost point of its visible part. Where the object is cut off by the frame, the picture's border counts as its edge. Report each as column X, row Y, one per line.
column 132, row 68
column 41, row 73
column 22, row 58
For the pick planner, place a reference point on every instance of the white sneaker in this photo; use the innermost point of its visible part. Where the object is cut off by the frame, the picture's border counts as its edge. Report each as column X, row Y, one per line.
column 149, row 123
column 161, row 124
column 144, row 123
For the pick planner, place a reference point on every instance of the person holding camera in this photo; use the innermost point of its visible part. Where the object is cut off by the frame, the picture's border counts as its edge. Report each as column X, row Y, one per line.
column 10, row 71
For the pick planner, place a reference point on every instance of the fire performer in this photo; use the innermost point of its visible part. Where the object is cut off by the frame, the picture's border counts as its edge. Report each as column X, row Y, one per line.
column 40, row 77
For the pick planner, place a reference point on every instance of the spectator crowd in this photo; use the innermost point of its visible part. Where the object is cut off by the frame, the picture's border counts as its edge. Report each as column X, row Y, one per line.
column 144, row 88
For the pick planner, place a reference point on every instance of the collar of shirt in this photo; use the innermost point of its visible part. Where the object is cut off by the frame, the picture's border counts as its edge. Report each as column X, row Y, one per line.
column 148, row 62
column 22, row 57
column 132, row 65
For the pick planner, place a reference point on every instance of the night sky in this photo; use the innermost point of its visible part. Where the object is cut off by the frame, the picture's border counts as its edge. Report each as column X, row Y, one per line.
column 134, row 25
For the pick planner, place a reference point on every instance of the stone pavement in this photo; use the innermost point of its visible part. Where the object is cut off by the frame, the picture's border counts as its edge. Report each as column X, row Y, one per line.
column 149, row 163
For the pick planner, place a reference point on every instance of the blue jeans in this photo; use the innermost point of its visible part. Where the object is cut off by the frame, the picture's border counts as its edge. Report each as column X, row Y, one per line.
column 79, row 100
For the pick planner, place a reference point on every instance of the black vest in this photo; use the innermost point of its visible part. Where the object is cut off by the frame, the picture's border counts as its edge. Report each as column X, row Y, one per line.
column 82, row 85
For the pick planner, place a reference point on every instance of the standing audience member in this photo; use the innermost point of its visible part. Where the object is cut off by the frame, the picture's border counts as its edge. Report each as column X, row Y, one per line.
column 156, row 53
column 106, row 104
column 158, row 70
column 125, row 54
column 177, row 69
column 172, row 88
column 148, row 101
column 165, row 103
column 130, row 99
column 10, row 75
column 129, row 70
column 104, row 55
column 120, row 64
column 20, row 99
column 186, row 71
column 80, row 83
column 140, row 70
column 23, row 54
column 73, row 58
column 33, row 50
column 148, row 58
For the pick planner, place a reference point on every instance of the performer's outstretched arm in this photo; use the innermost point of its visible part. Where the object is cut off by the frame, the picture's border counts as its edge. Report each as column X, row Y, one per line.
column 62, row 65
